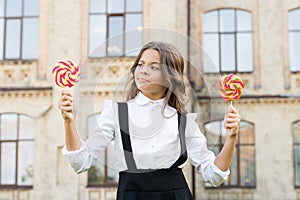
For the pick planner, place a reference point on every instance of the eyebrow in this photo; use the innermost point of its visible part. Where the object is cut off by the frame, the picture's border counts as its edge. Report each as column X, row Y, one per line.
column 154, row 62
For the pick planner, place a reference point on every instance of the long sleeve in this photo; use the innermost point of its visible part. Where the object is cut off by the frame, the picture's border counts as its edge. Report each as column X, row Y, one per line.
column 98, row 140
column 202, row 158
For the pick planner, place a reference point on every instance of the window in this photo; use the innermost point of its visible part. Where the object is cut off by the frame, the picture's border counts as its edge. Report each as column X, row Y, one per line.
column 16, row 150
column 115, row 27
column 19, row 29
column 296, row 138
column 294, row 40
column 101, row 173
column 243, row 164
column 227, row 41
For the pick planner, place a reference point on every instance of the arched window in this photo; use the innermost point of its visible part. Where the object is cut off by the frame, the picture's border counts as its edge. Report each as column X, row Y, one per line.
column 294, row 40
column 115, row 27
column 227, row 40
column 101, row 173
column 16, row 150
column 19, row 29
column 296, row 138
column 243, row 165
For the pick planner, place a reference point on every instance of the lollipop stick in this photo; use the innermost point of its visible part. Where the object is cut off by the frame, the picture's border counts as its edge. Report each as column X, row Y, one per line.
column 231, row 103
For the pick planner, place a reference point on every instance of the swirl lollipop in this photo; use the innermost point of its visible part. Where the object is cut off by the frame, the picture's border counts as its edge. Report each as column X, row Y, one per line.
column 231, row 87
column 66, row 73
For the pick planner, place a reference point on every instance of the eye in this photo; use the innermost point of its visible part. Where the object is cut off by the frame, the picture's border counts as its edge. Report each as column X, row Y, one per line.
column 154, row 68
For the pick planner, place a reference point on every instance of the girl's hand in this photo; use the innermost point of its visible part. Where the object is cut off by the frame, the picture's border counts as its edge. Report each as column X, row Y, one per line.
column 65, row 104
column 232, row 122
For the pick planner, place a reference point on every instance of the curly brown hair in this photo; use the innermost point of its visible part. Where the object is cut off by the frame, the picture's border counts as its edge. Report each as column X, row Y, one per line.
column 173, row 74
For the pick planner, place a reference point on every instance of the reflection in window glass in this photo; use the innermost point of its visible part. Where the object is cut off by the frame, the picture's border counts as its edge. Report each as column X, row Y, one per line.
column 1, row 38
column 294, row 16
column 294, row 40
column 243, row 163
column 244, row 22
column 133, row 5
column 26, row 130
column 25, row 163
column 30, row 41
column 31, row 7
column 13, row 8
column 13, row 32
column 210, row 22
column 97, row 6
column 2, row 3
column 211, row 53
column 244, row 52
column 296, row 148
column 115, row 35
column 8, row 168
column 133, row 33
column 228, row 52
column 116, row 6
column 97, row 34
column 227, row 20
column 9, row 126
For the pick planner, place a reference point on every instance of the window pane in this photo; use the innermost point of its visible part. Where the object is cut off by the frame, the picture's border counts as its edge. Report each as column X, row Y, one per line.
column 13, row 8
column 30, row 38
column 13, row 31
column 244, row 52
column 9, row 126
column 244, row 21
column 294, row 17
column 112, row 174
column 2, row 3
column 97, row 35
column 1, row 38
column 213, row 132
column 133, row 35
column 247, row 166
column 31, row 7
column 210, row 22
column 296, row 132
column 227, row 23
column 26, row 130
column 246, row 135
column 133, row 5
column 8, row 168
column 115, row 36
column 97, row 6
column 233, row 177
column 211, row 53
column 294, row 44
column 96, row 173
column 25, row 163
column 227, row 52
column 116, row 6
column 297, row 164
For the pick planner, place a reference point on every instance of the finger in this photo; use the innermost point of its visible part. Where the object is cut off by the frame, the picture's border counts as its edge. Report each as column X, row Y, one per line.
column 233, row 115
column 66, row 103
column 231, row 125
column 233, row 120
column 66, row 108
column 231, row 109
column 66, row 97
column 66, row 92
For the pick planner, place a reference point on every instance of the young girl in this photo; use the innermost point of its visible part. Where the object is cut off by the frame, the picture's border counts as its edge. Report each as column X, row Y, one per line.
column 152, row 131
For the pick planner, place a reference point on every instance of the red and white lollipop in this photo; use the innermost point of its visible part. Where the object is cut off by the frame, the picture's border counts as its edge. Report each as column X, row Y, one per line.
column 231, row 87
column 66, row 73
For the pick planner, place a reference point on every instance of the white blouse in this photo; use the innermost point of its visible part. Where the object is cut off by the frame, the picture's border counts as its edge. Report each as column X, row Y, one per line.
column 154, row 139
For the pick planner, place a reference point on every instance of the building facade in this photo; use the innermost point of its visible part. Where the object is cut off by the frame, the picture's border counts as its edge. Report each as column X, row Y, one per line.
column 257, row 40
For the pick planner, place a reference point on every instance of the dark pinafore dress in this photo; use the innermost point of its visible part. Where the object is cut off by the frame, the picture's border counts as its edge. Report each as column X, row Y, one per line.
column 154, row 184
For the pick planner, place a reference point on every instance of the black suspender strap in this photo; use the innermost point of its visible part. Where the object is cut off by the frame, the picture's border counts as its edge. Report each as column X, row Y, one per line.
column 124, row 128
column 181, row 129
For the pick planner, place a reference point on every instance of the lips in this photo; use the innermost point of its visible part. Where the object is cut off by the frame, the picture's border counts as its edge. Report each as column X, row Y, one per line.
column 143, row 80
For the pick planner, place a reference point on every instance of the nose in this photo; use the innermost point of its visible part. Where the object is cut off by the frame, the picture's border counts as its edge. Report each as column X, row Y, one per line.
column 145, row 69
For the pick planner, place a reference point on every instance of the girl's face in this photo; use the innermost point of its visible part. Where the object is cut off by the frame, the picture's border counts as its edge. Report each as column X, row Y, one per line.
column 148, row 75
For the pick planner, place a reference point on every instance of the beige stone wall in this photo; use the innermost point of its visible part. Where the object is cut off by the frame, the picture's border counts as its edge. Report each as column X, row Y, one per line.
column 64, row 34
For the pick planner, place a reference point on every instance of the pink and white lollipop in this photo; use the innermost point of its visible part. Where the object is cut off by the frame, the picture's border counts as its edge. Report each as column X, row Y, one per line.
column 66, row 73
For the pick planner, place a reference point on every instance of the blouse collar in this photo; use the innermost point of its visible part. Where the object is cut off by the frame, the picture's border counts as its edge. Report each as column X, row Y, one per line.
column 142, row 99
